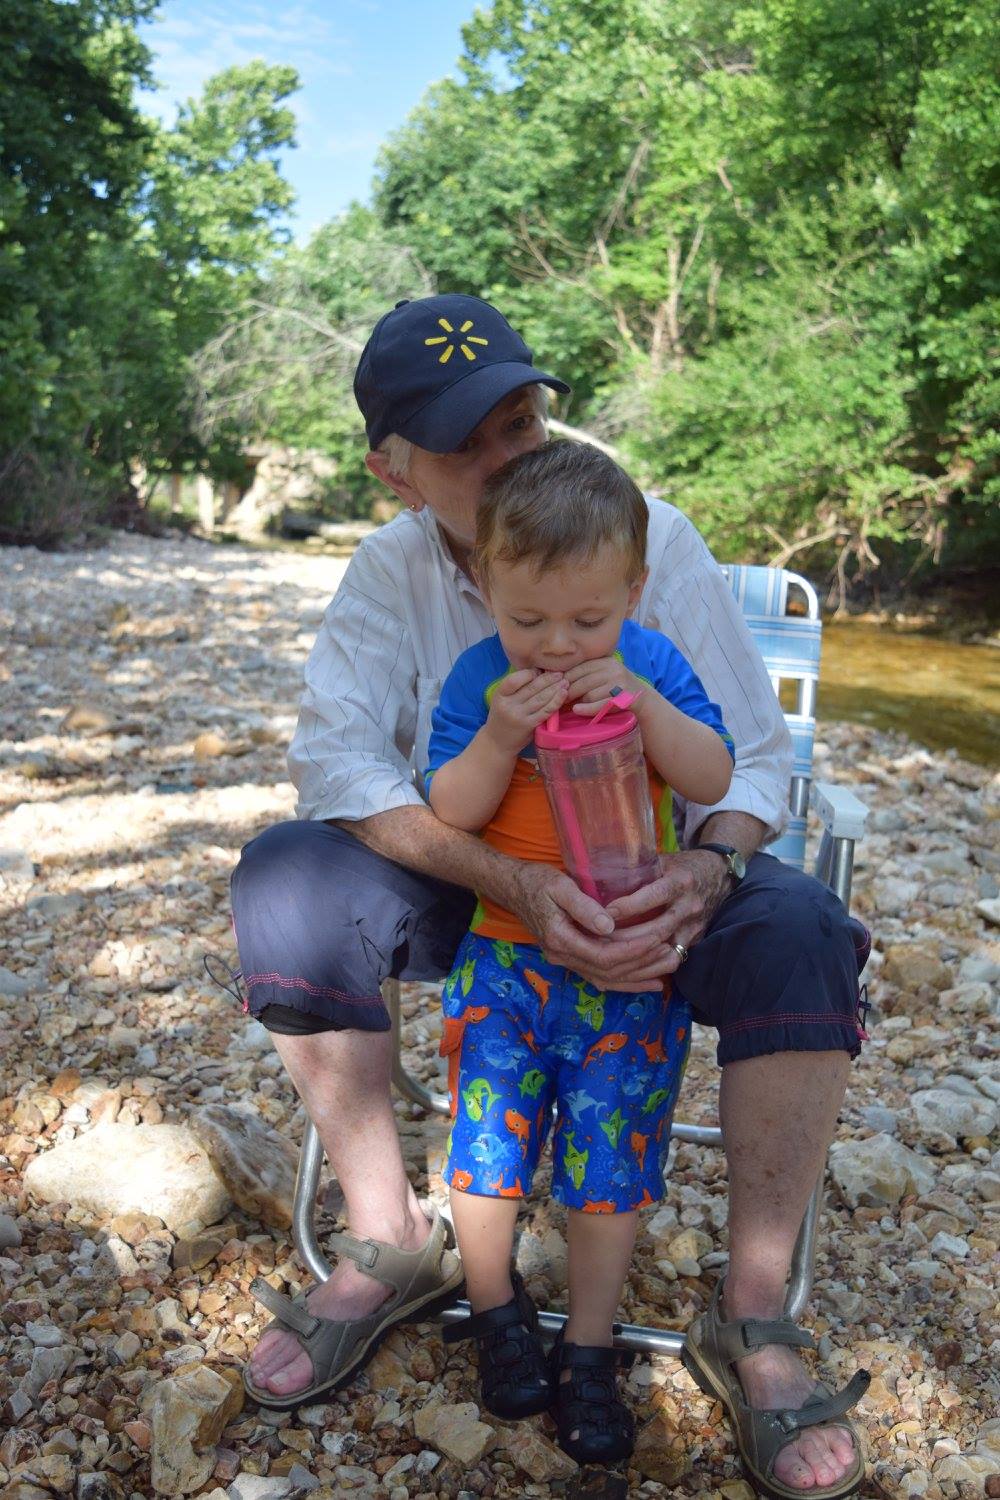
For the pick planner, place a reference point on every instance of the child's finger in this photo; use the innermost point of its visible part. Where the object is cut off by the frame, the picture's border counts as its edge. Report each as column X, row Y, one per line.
column 516, row 681
column 585, row 669
column 588, row 709
column 542, row 690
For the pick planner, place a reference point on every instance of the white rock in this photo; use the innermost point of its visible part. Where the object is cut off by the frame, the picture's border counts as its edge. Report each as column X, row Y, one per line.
column 949, row 1244
column 113, row 1169
column 979, row 966
column 943, row 1111
column 989, row 910
column 259, row 1487
column 878, row 1170
column 44, row 1335
column 894, row 897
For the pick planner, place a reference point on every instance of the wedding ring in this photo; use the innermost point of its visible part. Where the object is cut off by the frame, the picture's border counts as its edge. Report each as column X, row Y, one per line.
column 681, row 951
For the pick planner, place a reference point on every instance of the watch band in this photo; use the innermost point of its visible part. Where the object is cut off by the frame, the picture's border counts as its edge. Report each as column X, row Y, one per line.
column 735, row 863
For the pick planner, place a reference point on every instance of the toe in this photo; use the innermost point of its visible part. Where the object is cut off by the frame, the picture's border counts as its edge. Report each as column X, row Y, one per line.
column 274, row 1350
column 816, row 1459
column 295, row 1376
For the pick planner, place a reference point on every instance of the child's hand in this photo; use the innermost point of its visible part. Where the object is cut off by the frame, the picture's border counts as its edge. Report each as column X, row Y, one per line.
column 520, row 704
column 591, row 683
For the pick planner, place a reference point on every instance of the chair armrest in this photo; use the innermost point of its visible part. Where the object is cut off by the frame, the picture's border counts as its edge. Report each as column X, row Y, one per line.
column 842, row 814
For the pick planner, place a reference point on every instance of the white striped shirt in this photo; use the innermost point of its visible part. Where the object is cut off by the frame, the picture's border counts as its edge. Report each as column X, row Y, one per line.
column 404, row 612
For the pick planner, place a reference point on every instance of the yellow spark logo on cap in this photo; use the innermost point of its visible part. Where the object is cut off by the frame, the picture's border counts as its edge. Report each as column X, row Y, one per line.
column 446, row 339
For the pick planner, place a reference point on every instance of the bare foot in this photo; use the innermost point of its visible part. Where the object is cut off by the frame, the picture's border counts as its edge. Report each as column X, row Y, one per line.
column 279, row 1364
column 818, row 1456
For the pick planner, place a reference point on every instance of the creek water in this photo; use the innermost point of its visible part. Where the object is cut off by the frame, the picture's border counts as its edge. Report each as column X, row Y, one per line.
column 943, row 693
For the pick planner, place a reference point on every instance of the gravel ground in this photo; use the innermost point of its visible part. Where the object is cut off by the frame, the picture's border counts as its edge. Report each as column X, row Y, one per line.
column 148, row 693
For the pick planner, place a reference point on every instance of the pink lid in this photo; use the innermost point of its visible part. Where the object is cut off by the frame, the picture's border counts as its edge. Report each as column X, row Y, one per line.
column 569, row 731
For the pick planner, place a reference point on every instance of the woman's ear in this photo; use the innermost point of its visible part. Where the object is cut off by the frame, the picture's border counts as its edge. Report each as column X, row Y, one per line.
column 635, row 590
column 378, row 464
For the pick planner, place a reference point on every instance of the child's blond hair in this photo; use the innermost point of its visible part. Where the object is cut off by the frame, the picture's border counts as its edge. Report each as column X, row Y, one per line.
column 560, row 502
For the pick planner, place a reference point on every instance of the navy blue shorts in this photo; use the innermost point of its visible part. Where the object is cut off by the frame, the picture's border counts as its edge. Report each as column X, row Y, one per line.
column 321, row 921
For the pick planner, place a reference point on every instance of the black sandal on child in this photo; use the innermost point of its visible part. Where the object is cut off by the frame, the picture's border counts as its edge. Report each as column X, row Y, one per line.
column 513, row 1371
column 594, row 1424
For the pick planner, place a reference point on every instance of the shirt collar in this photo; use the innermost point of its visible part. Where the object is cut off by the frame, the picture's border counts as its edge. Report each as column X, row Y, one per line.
column 432, row 527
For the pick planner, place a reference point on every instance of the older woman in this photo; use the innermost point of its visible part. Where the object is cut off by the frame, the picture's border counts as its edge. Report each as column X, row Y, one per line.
column 367, row 884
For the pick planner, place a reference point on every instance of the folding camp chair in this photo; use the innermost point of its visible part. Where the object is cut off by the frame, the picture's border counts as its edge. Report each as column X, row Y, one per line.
column 790, row 646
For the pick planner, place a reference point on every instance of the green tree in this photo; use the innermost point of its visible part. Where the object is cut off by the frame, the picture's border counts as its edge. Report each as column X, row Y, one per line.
column 123, row 248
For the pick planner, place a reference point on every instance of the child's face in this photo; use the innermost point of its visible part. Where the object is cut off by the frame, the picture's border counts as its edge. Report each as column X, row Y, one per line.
column 553, row 621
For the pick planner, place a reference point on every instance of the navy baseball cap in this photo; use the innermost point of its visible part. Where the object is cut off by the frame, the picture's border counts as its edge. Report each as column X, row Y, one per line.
column 434, row 368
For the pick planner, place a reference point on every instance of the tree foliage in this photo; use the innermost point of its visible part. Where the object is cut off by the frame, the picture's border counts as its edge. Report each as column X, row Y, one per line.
column 761, row 239
column 123, row 248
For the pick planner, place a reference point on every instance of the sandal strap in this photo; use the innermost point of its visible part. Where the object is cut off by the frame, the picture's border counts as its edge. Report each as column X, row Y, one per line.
column 291, row 1313
column 395, row 1268
column 825, row 1408
column 739, row 1337
column 735, row 1338
column 482, row 1323
column 589, row 1357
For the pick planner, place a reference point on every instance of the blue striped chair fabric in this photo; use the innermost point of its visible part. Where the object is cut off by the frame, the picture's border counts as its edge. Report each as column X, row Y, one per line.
column 790, row 646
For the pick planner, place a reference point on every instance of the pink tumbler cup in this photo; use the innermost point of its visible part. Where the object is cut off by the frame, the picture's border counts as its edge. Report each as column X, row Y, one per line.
column 597, row 784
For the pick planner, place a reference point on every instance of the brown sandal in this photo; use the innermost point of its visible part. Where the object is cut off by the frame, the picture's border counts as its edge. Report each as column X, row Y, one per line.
column 714, row 1345
column 423, row 1282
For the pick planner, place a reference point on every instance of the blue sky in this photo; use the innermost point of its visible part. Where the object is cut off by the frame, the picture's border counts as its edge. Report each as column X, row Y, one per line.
column 363, row 64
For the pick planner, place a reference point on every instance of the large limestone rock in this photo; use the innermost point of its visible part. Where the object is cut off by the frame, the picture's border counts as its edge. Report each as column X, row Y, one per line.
column 160, row 1170
column 878, row 1170
column 188, row 1414
column 944, row 1111
column 257, row 1164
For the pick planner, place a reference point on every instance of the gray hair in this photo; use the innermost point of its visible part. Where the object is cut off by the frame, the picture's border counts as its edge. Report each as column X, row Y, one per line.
column 399, row 450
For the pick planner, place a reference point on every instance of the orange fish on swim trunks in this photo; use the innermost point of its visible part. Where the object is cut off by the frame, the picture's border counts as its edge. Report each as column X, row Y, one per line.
column 639, row 1142
column 540, row 986
column 613, row 1042
column 653, row 1050
column 604, row 1206
column 528, row 1037
column 644, row 1202
column 516, row 1191
column 519, row 1126
column 461, row 1179
column 475, row 1013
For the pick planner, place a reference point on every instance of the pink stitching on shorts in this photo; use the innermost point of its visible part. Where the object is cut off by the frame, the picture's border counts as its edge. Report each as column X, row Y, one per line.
column 787, row 1018
column 323, row 991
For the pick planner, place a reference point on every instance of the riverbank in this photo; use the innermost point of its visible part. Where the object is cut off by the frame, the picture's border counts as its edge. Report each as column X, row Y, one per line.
column 148, row 693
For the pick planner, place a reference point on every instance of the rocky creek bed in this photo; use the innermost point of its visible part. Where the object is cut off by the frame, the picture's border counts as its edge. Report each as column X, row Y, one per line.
column 148, row 1134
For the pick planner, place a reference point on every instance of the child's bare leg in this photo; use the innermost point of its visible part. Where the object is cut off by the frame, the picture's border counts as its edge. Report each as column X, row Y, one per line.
column 484, row 1228
column 600, row 1251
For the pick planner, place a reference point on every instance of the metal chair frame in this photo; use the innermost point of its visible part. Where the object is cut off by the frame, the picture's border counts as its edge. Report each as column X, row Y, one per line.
column 843, row 817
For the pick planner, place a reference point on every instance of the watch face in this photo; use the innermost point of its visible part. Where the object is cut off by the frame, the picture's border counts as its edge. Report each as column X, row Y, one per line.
column 737, row 864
